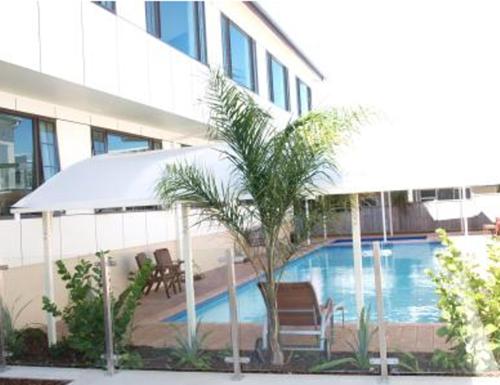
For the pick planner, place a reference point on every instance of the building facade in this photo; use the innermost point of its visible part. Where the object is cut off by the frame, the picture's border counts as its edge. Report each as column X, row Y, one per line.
column 81, row 78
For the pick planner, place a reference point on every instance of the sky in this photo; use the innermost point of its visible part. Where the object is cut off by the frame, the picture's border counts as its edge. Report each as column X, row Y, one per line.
column 430, row 69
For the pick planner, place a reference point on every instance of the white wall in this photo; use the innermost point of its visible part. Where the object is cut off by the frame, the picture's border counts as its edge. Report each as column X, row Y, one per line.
column 79, row 42
column 76, row 235
column 55, row 46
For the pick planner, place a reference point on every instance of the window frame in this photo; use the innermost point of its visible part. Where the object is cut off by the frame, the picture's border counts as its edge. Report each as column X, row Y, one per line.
column 38, row 177
column 105, row 131
column 112, row 10
column 298, row 82
column 226, row 24
column 270, row 59
column 199, row 29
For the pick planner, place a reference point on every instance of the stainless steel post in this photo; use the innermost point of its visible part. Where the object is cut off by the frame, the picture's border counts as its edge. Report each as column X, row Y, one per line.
column 108, row 321
column 380, row 310
column 3, row 363
column 233, row 310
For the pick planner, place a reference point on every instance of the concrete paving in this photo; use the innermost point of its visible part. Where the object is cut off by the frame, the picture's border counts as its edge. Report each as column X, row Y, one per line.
column 97, row 377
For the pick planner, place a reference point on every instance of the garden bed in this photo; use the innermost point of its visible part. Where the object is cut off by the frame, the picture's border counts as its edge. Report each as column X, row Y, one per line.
column 299, row 362
column 30, row 381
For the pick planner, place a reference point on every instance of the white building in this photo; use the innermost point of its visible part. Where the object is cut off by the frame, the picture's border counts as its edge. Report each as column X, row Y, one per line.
column 79, row 78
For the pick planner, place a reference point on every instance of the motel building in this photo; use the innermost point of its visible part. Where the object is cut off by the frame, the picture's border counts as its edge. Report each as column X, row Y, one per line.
column 85, row 78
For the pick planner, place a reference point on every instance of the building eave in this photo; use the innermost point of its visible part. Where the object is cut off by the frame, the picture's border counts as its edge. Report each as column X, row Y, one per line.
column 267, row 19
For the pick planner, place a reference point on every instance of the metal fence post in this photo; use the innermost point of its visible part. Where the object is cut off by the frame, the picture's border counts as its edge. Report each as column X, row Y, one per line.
column 380, row 310
column 108, row 321
column 3, row 362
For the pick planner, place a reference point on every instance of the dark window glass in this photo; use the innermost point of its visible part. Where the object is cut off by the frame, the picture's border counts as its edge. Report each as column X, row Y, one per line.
column 278, row 83
column 239, row 55
column 28, row 156
column 181, row 24
column 120, row 142
column 303, row 97
column 104, row 141
column 48, row 149
column 109, row 5
column 156, row 144
column 98, row 142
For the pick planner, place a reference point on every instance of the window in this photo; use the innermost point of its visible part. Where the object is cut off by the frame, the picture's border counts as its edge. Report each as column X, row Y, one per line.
column 180, row 24
column 441, row 194
column 278, row 83
column 28, row 156
column 239, row 55
column 303, row 97
column 104, row 141
column 109, row 5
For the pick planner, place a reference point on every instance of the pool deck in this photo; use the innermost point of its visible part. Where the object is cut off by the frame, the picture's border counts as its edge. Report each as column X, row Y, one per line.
column 150, row 330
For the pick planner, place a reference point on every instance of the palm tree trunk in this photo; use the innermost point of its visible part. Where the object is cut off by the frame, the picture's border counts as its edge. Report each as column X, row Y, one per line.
column 277, row 357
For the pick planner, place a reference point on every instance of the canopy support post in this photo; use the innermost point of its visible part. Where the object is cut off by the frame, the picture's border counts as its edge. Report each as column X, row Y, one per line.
column 308, row 233
column 391, row 224
column 357, row 252
column 465, row 219
column 382, row 204
column 189, row 285
column 49, row 273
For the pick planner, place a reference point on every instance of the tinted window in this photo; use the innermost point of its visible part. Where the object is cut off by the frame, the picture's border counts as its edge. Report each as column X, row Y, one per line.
column 109, row 5
column 120, row 142
column 104, row 141
column 303, row 97
column 181, row 24
column 48, row 150
column 239, row 55
column 28, row 156
column 278, row 83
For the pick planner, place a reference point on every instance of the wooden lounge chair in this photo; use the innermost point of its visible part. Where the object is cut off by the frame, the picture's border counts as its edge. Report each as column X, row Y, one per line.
column 300, row 314
column 155, row 277
column 170, row 271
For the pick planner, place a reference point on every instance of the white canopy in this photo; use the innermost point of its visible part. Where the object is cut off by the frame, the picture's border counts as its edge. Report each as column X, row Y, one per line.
column 115, row 180
column 129, row 179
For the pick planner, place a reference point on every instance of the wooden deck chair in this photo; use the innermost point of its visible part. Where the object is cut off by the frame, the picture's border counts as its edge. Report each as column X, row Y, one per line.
column 170, row 271
column 155, row 277
column 300, row 314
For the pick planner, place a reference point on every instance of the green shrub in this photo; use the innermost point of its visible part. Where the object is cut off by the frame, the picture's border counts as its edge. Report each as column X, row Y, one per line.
column 191, row 356
column 360, row 347
column 84, row 313
column 469, row 300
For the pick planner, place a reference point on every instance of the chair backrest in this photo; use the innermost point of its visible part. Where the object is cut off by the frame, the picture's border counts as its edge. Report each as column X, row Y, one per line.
column 297, row 304
column 141, row 259
column 162, row 257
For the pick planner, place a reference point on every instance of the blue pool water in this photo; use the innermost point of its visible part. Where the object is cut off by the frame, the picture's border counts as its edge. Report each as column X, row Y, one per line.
column 408, row 292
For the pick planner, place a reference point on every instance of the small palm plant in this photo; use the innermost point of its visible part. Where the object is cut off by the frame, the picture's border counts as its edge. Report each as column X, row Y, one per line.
column 271, row 170
column 360, row 347
column 192, row 355
column 10, row 316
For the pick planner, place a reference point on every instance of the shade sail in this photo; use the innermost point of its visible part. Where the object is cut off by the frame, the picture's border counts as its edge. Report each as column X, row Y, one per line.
column 115, row 180
column 129, row 179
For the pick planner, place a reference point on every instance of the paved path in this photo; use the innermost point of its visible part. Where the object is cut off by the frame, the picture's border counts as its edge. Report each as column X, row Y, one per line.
column 96, row 377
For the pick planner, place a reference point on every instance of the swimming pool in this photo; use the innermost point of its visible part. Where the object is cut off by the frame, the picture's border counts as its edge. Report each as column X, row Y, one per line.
column 408, row 293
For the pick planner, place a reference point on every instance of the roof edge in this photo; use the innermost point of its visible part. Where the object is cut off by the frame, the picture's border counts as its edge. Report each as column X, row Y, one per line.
column 267, row 19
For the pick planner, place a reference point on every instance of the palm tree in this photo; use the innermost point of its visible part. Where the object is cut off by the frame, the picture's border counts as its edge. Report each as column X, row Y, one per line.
column 271, row 170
